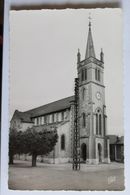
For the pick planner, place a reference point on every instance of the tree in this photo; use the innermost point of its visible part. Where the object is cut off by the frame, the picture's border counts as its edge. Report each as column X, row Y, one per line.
column 15, row 144
column 39, row 142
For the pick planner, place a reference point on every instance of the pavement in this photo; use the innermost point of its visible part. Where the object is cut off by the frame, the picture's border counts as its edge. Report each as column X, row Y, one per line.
column 61, row 177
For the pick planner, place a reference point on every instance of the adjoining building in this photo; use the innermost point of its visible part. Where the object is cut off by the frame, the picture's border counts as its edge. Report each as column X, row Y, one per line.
column 116, row 148
column 94, row 143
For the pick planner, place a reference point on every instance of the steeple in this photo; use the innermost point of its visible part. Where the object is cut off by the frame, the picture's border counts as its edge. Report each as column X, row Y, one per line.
column 90, row 47
column 102, row 56
column 78, row 56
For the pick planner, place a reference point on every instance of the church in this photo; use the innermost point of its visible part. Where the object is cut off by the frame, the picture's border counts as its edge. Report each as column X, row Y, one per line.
column 94, row 142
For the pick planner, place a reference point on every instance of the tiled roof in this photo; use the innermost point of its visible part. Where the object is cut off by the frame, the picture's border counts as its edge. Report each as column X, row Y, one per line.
column 51, row 107
column 45, row 109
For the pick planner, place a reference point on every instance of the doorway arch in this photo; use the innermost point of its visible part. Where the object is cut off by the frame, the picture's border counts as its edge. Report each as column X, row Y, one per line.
column 99, row 152
column 84, row 151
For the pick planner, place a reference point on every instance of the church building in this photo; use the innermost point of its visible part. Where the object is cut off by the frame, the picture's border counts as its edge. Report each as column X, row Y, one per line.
column 94, row 143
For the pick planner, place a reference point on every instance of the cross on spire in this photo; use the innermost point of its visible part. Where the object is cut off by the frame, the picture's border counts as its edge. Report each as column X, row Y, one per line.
column 89, row 17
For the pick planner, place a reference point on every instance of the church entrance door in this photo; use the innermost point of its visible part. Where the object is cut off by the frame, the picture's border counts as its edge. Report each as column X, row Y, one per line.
column 100, row 153
column 84, row 151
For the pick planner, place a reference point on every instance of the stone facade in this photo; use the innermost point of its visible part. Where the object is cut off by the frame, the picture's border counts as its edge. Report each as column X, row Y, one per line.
column 92, row 109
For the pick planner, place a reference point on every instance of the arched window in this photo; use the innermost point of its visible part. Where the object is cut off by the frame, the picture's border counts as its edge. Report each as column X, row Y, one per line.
column 62, row 116
column 100, row 124
column 82, row 73
column 83, row 120
column 63, row 142
column 45, row 119
column 85, row 74
column 40, row 120
column 96, row 74
column 53, row 118
column 37, row 121
column 83, row 93
column 97, row 124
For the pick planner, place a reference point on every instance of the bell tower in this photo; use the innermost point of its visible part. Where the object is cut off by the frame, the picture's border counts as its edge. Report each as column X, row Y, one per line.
column 94, row 144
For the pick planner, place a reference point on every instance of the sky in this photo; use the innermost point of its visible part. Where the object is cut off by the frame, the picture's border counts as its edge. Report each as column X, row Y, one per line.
column 43, row 57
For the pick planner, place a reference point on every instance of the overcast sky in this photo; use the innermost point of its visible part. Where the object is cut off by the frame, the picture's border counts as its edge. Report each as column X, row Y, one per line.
column 43, row 55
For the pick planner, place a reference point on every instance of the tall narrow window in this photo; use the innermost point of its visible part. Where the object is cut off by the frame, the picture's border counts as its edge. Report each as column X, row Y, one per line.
column 57, row 117
column 85, row 74
column 63, row 142
column 45, row 119
column 83, row 120
column 99, row 121
column 62, row 116
column 40, row 120
column 96, row 74
column 104, row 120
column 52, row 118
column 100, row 125
column 82, row 74
column 96, row 124
column 35, row 121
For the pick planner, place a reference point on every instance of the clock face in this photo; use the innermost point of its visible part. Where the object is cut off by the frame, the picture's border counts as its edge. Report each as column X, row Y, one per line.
column 98, row 95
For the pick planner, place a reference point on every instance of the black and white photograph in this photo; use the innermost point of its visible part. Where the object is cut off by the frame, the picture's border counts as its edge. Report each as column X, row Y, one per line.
column 66, row 126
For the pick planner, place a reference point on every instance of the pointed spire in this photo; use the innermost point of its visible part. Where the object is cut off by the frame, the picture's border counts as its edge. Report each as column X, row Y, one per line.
column 101, row 55
column 78, row 56
column 90, row 47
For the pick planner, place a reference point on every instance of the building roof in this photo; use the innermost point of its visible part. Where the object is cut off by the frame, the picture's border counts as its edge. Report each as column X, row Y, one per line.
column 56, row 106
column 24, row 116
column 90, row 46
column 114, row 139
column 51, row 107
column 120, row 140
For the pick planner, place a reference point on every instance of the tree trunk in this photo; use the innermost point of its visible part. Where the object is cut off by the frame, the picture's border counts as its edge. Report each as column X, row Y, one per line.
column 34, row 159
column 11, row 159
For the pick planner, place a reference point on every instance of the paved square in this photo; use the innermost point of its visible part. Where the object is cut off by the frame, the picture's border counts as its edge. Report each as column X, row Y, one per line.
column 61, row 177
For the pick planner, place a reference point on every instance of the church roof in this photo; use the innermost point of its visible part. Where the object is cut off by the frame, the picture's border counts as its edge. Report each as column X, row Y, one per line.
column 90, row 46
column 24, row 116
column 55, row 106
column 51, row 107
